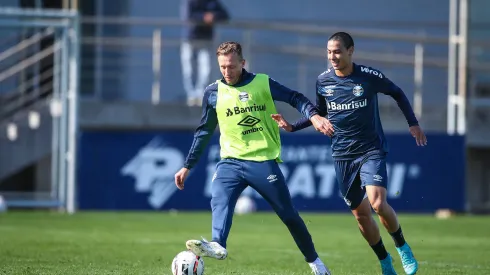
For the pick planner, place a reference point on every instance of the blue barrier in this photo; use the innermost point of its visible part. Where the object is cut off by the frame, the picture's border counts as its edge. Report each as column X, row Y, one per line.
column 135, row 171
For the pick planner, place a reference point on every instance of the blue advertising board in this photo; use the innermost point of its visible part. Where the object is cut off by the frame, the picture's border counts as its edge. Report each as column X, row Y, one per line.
column 134, row 170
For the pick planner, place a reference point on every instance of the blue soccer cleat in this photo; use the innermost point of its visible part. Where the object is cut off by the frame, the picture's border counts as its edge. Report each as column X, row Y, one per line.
column 409, row 262
column 387, row 266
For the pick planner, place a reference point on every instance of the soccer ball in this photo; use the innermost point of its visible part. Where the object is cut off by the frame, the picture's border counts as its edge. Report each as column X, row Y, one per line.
column 245, row 205
column 187, row 263
column 3, row 205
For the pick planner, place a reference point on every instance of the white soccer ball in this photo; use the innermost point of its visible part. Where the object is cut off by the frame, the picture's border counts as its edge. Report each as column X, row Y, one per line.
column 245, row 205
column 3, row 205
column 187, row 263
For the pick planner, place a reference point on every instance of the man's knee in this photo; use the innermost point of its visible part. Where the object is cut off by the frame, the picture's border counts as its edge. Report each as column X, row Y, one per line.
column 379, row 205
column 363, row 213
column 377, row 198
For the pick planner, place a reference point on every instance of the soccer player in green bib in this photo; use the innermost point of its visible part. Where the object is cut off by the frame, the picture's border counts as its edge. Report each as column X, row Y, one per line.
column 242, row 104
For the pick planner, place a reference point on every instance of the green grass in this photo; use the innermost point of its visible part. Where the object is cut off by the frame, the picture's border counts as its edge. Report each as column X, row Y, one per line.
column 145, row 243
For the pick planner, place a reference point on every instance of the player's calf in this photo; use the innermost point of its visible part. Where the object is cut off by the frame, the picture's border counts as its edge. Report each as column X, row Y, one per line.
column 370, row 231
column 367, row 225
column 386, row 214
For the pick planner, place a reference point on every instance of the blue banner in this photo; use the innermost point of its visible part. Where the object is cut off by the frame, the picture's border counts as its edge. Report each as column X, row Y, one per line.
column 135, row 171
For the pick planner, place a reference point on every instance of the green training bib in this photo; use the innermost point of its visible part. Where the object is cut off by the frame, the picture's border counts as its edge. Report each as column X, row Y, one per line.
column 244, row 115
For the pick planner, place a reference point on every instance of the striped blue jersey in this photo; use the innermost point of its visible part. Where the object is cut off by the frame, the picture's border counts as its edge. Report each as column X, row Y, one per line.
column 351, row 104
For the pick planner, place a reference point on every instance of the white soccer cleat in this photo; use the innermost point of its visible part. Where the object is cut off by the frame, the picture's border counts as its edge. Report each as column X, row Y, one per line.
column 207, row 249
column 318, row 268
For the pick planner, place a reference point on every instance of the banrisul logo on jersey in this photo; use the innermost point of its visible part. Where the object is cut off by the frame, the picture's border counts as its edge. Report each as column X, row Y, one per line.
column 242, row 110
column 332, row 106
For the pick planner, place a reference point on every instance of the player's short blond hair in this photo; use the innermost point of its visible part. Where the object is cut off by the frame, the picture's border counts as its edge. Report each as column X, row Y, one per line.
column 230, row 47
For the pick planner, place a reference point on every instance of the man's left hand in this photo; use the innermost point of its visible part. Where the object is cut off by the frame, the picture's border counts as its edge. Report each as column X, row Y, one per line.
column 419, row 135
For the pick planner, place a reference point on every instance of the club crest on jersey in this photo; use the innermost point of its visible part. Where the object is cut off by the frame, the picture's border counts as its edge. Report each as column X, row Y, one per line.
column 243, row 96
column 358, row 90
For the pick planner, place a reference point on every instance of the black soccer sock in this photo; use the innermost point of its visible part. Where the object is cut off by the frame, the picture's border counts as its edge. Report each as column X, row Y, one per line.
column 380, row 250
column 398, row 237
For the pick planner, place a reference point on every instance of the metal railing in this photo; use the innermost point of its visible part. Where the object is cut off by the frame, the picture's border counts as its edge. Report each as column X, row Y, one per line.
column 25, row 85
column 158, row 43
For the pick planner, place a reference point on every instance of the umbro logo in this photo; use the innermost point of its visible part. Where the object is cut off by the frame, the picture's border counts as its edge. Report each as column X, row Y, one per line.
column 272, row 178
column 249, row 121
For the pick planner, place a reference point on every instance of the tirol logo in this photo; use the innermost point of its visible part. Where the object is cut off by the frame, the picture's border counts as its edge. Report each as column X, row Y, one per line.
column 250, row 121
column 153, row 169
column 243, row 96
column 358, row 90
column 241, row 110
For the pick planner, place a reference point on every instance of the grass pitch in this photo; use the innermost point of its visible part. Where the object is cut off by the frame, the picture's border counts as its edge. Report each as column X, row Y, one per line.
column 145, row 243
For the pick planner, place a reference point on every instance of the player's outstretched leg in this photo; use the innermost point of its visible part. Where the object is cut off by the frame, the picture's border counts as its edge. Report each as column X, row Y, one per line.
column 350, row 176
column 370, row 231
column 267, row 179
column 387, row 216
column 227, row 187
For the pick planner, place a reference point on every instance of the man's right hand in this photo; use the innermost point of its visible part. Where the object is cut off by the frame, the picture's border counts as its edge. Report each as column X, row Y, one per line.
column 322, row 125
column 180, row 177
column 282, row 123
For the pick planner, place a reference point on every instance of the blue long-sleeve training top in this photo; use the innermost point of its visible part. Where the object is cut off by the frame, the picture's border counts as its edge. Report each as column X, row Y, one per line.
column 209, row 119
column 351, row 104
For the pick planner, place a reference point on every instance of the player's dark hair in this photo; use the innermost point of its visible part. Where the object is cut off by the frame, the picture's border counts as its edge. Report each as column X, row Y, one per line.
column 229, row 47
column 344, row 37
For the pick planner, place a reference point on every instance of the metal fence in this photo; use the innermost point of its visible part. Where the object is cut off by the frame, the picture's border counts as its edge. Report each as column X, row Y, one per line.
column 40, row 71
column 138, row 59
